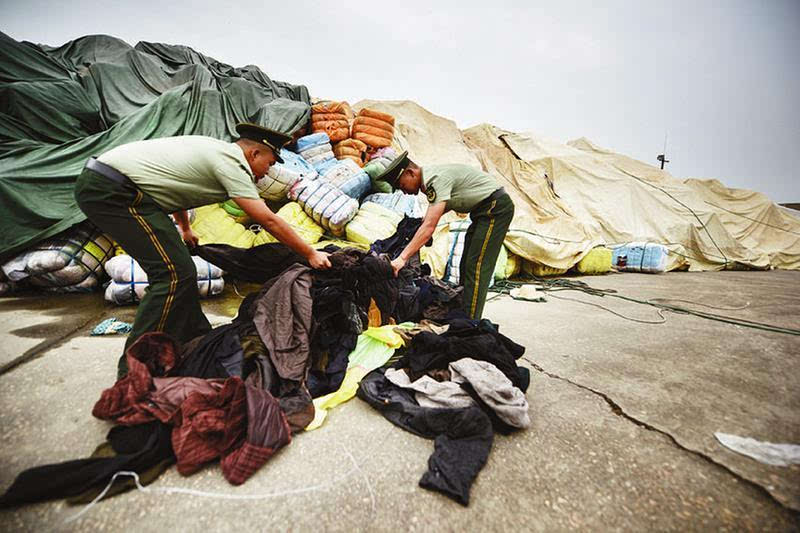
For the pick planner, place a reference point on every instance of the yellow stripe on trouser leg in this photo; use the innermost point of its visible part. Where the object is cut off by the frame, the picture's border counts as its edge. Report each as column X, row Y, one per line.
column 173, row 275
column 476, row 288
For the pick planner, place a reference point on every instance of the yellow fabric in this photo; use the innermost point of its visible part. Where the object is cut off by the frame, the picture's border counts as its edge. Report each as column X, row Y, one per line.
column 513, row 265
column 374, row 347
column 213, row 225
column 597, row 261
column 301, row 223
column 372, row 222
column 540, row 271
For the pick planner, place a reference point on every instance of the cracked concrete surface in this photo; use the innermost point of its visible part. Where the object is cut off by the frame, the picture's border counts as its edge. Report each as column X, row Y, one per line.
column 622, row 437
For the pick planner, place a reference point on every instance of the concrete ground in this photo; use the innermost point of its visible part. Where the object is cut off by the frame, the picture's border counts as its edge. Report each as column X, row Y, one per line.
column 624, row 415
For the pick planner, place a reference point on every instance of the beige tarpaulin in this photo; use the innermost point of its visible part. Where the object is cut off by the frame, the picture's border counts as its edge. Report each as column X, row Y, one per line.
column 572, row 197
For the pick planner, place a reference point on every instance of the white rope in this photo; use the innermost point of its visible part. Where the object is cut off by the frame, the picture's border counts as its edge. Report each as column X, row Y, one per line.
column 228, row 496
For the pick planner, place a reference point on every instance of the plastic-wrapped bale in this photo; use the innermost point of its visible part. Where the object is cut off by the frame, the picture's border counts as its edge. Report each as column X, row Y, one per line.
column 315, row 149
column 398, row 201
column 539, row 270
column 129, row 281
column 213, row 224
column 301, row 223
column 331, row 118
column 377, row 165
column 372, row 222
column 348, row 177
column 280, row 177
column 325, row 204
column 69, row 262
column 457, row 238
column 597, row 261
column 640, row 257
column 374, row 128
column 351, row 149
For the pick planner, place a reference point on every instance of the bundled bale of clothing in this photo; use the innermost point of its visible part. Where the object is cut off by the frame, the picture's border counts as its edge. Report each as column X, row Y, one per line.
column 302, row 224
column 352, row 149
column 373, row 222
column 212, row 224
column 456, row 241
column 325, row 204
column 332, row 118
column 398, row 201
column 280, row 177
column 69, row 262
column 377, row 165
column 348, row 177
column 315, row 149
column 129, row 280
column 374, row 128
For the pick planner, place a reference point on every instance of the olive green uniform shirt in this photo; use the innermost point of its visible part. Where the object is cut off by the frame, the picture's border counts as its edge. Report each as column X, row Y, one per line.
column 461, row 186
column 184, row 172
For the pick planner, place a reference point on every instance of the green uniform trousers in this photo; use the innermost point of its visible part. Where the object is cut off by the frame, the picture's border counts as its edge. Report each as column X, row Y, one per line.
column 171, row 302
column 490, row 221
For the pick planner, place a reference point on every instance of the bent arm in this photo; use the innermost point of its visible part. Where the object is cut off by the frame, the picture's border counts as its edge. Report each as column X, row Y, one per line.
column 274, row 224
column 182, row 218
column 425, row 231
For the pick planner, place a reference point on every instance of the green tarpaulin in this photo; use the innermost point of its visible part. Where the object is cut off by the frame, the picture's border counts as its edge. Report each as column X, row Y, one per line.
column 59, row 106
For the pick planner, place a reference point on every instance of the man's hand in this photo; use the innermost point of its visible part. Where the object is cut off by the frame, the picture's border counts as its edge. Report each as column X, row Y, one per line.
column 189, row 238
column 397, row 265
column 319, row 260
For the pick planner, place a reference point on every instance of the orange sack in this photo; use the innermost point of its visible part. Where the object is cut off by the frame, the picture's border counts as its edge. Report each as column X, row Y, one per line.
column 371, row 113
column 375, row 123
column 351, row 149
column 324, row 117
column 372, row 140
column 335, row 130
column 372, row 130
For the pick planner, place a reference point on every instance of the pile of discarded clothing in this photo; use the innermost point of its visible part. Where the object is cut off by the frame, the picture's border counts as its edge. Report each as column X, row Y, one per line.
column 298, row 346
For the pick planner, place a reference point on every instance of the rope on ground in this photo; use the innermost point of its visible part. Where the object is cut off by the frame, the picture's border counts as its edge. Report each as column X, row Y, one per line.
column 550, row 285
column 228, row 496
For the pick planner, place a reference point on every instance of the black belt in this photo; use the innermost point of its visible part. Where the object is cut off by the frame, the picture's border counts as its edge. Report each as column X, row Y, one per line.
column 486, row 201
column 109, row 172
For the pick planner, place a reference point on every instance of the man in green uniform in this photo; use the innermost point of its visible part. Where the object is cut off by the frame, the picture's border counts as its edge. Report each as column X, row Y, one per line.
column 463, row 189
column 129, row 191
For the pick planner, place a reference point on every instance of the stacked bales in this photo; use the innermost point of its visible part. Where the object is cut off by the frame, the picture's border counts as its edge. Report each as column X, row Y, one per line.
column 325, row 204
column 69, row 262
column 374, row 128
column 333, row 119
column 372, row 222
column 316, row 149
column 129, row 281
column 377, row 165
column 348, row 177
column 212, row 224
column 280, row 177
column 352, row 149
column 293, row 214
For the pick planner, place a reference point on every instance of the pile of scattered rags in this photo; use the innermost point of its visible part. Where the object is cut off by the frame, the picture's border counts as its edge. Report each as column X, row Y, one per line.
column 302, row 343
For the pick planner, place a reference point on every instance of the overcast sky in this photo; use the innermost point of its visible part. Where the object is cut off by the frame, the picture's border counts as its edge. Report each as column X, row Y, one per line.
column 721, row 78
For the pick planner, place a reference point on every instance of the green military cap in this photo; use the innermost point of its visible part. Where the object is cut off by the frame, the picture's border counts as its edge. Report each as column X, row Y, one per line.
column 393, row 171
column 273, row 139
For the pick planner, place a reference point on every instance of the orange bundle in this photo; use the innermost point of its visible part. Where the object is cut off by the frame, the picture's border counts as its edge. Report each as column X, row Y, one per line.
column 374, row 128
column 331, row 118
column 351, row 149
